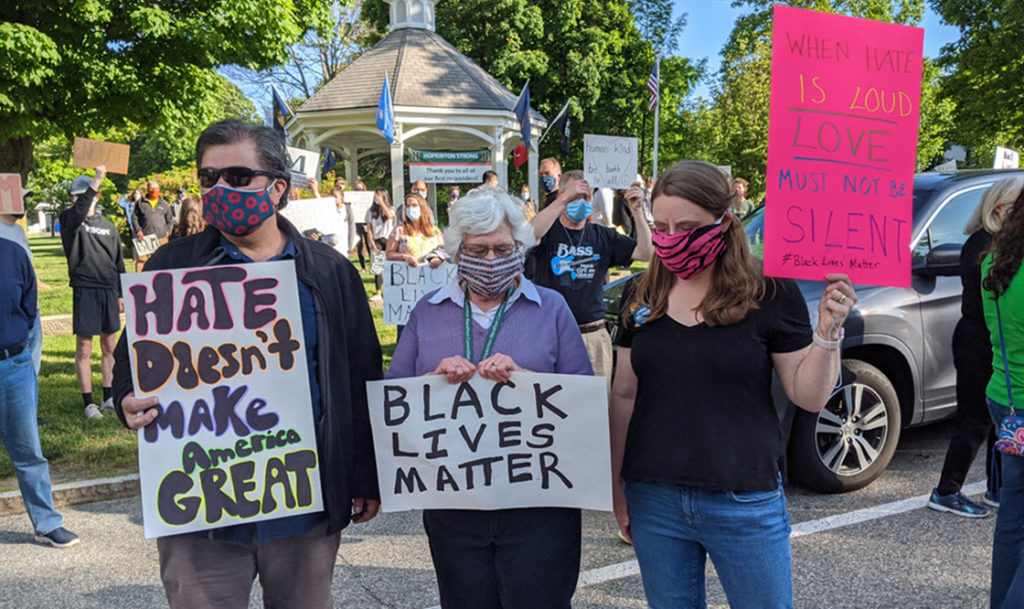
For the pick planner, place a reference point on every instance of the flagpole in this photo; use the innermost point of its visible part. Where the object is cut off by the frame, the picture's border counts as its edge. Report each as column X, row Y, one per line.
column 657, row 113
column 565, row 108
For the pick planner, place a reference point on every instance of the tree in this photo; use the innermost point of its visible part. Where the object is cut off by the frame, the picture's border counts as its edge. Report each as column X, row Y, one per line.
column 73, row 66
column 657, row 25
column 591, row 52
column 984, row 74
column 331, row 42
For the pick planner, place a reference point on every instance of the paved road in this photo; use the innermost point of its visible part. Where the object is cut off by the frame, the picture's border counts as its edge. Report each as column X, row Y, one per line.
column 900, row 558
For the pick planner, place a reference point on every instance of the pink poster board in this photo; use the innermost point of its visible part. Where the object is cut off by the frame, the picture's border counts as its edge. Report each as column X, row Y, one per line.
column 11, row 201
column 842, row 142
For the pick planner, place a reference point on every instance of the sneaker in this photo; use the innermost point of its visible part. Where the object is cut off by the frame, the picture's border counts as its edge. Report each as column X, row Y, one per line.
column 92, row 412
column 108, row 404
column 59, row 537
column 378, row 297
column 991, row 500
column 623, row 538
column 956, row 503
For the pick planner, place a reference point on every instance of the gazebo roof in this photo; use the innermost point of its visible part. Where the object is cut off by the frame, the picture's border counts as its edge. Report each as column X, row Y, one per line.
column 423, row 69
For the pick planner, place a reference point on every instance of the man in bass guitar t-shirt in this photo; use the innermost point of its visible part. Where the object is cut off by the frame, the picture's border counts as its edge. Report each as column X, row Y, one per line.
column 573, row 256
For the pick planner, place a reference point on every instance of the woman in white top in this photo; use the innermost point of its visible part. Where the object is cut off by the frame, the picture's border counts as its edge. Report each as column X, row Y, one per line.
column 380, row 222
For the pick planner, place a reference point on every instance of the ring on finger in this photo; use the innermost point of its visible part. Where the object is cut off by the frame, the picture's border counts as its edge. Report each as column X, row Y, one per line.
column 842, row 298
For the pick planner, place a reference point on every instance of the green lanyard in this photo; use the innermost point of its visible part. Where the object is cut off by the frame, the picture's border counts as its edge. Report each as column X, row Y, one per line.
column 492, row 333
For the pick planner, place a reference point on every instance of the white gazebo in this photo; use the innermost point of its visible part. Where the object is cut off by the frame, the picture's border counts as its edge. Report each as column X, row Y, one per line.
column 441, row 100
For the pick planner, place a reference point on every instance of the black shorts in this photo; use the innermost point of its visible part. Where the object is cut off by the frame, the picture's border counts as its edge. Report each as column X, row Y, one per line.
column 95, row 312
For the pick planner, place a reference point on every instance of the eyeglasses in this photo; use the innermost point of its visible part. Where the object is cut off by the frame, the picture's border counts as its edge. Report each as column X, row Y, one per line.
column 480, row 251
column 234, row 176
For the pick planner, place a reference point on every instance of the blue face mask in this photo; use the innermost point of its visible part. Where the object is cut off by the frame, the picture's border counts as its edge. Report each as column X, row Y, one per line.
column 549, row 183
column 412, row 213
column 579, row 210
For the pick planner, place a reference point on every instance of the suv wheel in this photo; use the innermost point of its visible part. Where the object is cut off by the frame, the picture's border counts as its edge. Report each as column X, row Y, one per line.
column 851, row 441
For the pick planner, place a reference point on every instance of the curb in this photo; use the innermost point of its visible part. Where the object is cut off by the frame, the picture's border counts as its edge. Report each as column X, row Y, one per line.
column 85, row 491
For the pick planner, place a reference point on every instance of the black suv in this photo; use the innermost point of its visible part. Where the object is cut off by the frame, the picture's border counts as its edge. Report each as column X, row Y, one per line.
column 897, row 353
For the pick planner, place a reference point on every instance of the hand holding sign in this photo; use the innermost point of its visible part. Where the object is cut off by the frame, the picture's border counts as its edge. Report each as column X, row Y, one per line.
column 456, row 369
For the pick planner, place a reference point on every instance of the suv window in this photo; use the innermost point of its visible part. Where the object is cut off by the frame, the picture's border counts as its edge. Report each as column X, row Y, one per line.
column 948, row 225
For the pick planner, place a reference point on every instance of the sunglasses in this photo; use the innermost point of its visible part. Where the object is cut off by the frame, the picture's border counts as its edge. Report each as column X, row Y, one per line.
column 235, row 176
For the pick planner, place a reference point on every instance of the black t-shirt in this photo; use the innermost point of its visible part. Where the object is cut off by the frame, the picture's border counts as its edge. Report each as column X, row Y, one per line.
column 704, row 414
column 574, row 262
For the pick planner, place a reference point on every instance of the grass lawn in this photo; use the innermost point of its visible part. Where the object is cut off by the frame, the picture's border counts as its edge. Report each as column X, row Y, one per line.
column 79, row 448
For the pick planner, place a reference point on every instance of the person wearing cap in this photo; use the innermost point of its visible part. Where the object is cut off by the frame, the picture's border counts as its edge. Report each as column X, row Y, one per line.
column 19, row 396
column 153, row 216
column 12, row 231
column 95, row 264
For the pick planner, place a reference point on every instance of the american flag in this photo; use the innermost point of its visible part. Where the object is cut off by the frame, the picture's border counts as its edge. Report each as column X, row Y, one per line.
column 652, row 86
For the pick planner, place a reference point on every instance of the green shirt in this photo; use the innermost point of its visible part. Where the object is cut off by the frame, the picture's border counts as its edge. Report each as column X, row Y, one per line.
column 1011, row 307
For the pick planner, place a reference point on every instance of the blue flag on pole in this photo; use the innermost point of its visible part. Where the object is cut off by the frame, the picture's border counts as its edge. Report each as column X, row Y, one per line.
column 281, row 113
column 328, row 161
column 385, row 113
column 522, row 110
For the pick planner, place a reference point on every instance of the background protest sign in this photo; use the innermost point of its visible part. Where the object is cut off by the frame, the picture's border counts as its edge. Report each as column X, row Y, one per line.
column 321, row 214
column 304, row 164
column 146, row 246
column 360, row 200
column 448, row 166
column 842, row 141
column 404, row 285
column 223, row 349
column 1006, row 159
column 609, row 162
column 11, row 201
column 90, row 154
column 537, row 440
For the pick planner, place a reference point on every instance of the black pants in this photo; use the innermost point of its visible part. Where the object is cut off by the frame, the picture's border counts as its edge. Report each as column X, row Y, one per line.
column 362, row 243
column 505, row 559
column 972, row 356
column 382, row 244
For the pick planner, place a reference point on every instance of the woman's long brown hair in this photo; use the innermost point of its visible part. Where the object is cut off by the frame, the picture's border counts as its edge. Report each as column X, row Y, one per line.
column 737, row 284
column 190, row 217
column 1007, row 250
column 425, row 225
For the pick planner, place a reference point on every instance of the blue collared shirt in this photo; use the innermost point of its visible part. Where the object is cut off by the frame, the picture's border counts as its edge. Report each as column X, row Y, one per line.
column 289, row 526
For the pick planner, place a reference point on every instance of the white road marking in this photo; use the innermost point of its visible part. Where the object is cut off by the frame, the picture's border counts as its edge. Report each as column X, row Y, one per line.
column 630, row 568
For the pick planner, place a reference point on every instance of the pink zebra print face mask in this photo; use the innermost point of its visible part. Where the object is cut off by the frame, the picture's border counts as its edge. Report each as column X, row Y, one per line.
column 689, row 252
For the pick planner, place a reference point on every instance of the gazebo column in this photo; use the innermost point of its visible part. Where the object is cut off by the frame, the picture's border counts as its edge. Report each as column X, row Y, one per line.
column 532, row 178
column 351, row 164
column 398, row 168
column 498, row 158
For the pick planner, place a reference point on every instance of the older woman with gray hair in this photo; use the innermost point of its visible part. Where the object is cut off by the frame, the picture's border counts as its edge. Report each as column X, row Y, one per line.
column 493, row 321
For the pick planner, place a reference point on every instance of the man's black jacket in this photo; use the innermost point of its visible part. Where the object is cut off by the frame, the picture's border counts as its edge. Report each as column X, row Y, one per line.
column 91, row 245
column 152, row 220
column 348, row 354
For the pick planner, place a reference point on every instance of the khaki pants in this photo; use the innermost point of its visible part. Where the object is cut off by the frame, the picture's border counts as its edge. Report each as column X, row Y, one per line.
column 200, row 572
column 599, row 350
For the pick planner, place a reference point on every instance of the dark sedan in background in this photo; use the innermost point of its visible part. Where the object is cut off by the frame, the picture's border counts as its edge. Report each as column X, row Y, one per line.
column 897, row 353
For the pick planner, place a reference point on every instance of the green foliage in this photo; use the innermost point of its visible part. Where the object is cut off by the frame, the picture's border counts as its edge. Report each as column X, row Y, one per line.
column 984, row 74
column 68, row 67
column 657, row 25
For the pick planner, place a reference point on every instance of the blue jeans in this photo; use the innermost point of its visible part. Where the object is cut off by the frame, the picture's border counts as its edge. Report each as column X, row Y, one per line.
column 746, row 534
column 1008, row 541
column 19, row 394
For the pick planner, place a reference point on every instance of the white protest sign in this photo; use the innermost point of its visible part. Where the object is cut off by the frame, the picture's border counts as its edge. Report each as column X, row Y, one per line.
column 304, row 164
column 1006, row 159
column 609, row 162
column 145, row 246
column 321, row 214
column 361, row 201
column 223, row 349
column 539, row 440
column 404, row 285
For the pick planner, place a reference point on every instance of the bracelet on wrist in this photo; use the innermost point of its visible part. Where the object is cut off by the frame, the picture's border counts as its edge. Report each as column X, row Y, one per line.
column 829, row 345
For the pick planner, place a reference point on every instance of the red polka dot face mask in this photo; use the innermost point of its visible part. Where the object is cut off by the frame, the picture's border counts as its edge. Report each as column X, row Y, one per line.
column 237, row 212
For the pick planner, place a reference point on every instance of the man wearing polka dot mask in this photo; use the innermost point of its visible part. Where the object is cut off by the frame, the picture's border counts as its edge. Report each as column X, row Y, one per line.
column 243, row 175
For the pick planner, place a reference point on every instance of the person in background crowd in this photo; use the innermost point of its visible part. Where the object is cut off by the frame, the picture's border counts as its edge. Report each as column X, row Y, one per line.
column 741, row 206
column 346, row 241
column 972, row 358
column 550, row 171
column 1002, row 297
column 341, row 183
column 700, row 459
column 529, row 206
column 603, row 207
column 292, row 556
column 622, row 217
column 515, row 558
column 127, row 204
column 176, row 204
column 573, row 256
column 190, row 222
column 19, row 396
column 359, row 185
column 417, row 239
column 12, row 231
column 490, row 179
column 453, row 194
column 380, row 222
column 95, row 263
column 153, row 216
